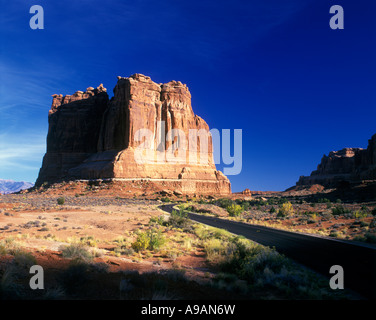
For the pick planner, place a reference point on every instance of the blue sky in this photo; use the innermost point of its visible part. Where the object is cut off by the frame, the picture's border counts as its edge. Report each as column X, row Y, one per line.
column 272, row 68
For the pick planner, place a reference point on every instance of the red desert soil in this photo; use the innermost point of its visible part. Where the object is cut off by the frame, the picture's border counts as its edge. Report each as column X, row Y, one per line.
column 42, row 226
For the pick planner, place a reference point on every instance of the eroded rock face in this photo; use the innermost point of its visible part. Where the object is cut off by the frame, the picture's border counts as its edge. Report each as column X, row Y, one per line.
column 146, row 131
column 349, row 165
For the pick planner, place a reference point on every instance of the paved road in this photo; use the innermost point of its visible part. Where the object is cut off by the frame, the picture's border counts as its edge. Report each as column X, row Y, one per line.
column 358, row 262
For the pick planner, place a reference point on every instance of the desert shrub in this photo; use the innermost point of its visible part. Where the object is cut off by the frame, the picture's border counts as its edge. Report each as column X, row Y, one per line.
column 156, row 239
column 121, row 241
column 9, row 246
column 326, row 216
column 244, row 265
column 151, row 240
column 224, row 202
column 201, row 231
column 60, row 201
column 165, row 199
column 176, row 275
column 229, row 282
column 333, row 234
column 157, row 220
column 245, row 204
column 215, row 250
column 88, row 241
column 142, row 242
column 368, row 237
column 201, row 201
column 253, row 269
column 359, row 214
column 234, row 210
column 272, row 210
column 24, row 259
column 246, row 259
column 178, row 219
column 339, row 210
column 76, row 251
column 285, row 210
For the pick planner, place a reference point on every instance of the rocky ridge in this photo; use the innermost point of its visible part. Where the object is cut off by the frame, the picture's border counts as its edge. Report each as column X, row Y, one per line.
column 348, row 166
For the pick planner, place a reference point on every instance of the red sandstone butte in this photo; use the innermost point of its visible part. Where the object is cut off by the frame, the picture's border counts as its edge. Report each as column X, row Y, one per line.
column 349, row 165
column 92, row 137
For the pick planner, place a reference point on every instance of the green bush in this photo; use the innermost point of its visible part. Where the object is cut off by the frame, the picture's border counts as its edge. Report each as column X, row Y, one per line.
column 339, row 210
column 60, row 201
column 272, row 210
column 224, row 203
column 142, row 242
column 151, row 239
column 156, row 239
column 234, row 210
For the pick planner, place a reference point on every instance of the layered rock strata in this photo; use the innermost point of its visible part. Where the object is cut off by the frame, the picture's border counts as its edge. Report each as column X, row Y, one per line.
column 146, row 131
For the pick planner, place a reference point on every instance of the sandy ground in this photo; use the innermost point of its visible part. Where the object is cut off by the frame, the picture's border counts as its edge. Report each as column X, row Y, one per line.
column 44, row 229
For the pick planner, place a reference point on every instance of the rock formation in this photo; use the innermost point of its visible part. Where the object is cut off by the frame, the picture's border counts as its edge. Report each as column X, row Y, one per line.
column 146, row 131
column 247, row 191
column 347, row 166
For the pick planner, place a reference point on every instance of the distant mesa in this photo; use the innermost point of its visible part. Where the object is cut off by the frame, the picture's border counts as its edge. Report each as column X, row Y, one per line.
column 346, row 167
column 92, row 137
column 10, row 186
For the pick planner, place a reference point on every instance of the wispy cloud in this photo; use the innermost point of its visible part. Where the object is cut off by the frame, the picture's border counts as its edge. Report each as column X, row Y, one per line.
column 21, row 155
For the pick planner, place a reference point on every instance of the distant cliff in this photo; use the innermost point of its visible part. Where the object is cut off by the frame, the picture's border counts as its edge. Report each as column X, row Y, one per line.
column 10, row 186
column 93, row 137
column 346, row 166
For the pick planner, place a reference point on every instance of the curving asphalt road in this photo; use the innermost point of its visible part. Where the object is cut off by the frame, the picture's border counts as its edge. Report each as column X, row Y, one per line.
column 318, row 253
